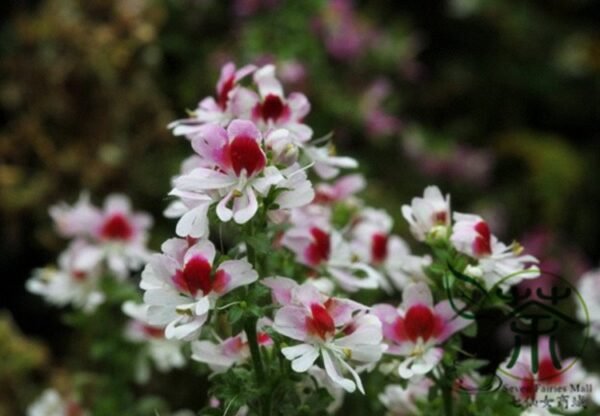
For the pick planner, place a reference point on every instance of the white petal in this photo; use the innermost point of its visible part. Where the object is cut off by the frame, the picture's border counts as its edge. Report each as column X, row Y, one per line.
column 333, row 374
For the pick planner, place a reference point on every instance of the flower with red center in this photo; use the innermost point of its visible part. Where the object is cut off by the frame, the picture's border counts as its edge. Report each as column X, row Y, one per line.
column 416, row 329
column 428, row 214
column 239, row 174
column 532, row 385
column 114, row 233
column 373, row 243
column 497, row 264
column 271, row 109
column 322, row 249
column 181, row 286
column 338, row 330
column 210, row 110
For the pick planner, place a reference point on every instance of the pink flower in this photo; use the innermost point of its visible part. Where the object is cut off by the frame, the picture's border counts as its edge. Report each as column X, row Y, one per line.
column 182, row 285
column 214, row 110
column 498, row 264
column 320, row 248
column 240, row 172
column 417, row 327
column 271, row 109
column 531, row 387
column 374, row 244
column 114, row 233
column 228, row 352
column 430, row 214
column 338, row 330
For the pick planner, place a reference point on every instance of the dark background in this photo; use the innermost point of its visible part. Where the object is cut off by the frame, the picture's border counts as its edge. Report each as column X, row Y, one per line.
column 495, row 101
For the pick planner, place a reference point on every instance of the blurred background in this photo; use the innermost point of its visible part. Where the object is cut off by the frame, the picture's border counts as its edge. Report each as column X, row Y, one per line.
column 495, row 101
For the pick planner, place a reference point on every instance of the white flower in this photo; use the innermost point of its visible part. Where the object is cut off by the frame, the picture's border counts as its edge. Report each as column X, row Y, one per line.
column 51, row 404
column 182, row 285
column 240, row 174
column 115, row 233
column 416, row 329
column 210, row 110
column 428, row 214
column 166, row 354
column 319, row 247
column 374, row 244
column 337, row 330
column 271, row 109
column 76, row 281
column 498, row 264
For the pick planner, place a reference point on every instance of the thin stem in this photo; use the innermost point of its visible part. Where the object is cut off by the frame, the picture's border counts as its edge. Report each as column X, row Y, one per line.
column 250, row 328
column 446, row 385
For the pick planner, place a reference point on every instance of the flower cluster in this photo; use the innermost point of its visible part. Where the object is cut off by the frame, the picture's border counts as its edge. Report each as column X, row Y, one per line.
column 270, row 309
column 104, row 241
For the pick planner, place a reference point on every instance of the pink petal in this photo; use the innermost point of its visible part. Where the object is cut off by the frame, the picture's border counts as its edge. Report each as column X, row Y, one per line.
column 243, row 128
column 281, row 288
column 291, row 322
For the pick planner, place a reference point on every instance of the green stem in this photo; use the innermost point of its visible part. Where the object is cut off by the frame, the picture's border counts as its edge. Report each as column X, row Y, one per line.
column 250, row 328
column 447, row 393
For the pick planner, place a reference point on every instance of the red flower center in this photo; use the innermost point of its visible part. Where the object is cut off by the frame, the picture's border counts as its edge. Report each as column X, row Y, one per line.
column 419, row 322
column 224, row 92
column 116, row 227
column 321, row 323
column 320, row 248
column 263, row 338
column 245, row 154
column 482, row 245
column 197, row 275
column 194, row 276
column 273, row 108
column 379, row 247
column 78, row 275
column 153, row 331
column 527, row 389
column 547, row 372
column 440, row 217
